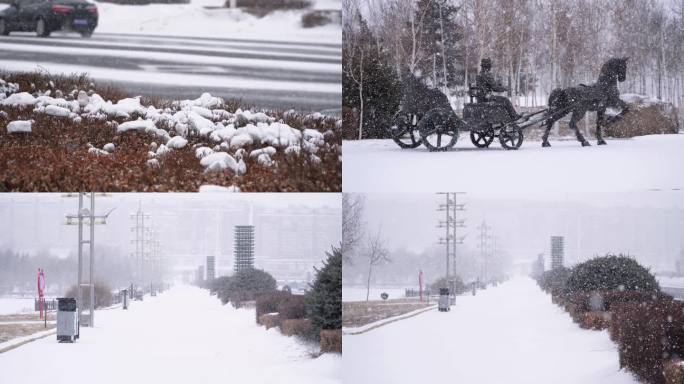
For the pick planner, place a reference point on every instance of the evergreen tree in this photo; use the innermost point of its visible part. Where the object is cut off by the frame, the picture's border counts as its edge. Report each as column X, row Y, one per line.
column 441, row 41
column 324, row 300
column 370, row 86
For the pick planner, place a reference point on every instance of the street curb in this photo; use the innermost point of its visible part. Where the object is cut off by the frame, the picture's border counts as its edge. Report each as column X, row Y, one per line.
column 390, row 320
column 11, row 347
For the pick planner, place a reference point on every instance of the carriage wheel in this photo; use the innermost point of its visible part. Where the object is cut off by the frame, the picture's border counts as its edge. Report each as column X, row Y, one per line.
column 405, row 130
column 482, row 139
column 439, row 129
column 511, row 136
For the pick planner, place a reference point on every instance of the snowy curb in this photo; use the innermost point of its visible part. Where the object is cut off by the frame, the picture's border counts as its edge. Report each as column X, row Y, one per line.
column 380, row 323
column 19, row 341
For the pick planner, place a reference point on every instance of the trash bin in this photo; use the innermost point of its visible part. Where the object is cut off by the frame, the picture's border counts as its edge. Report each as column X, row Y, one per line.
column 443, row 303
column 67, row 319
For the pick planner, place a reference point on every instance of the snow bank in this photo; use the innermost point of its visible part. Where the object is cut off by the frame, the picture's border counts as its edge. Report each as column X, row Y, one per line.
column 194, row 19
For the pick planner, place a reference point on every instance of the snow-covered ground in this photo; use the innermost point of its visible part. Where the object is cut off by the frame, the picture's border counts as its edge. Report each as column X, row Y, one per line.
column 641, row 163
column 11, row 306
column 194, row 19
column 182, row 336
column 508, row 334
column 355, row 293
column 208, row 18
column 174, row 51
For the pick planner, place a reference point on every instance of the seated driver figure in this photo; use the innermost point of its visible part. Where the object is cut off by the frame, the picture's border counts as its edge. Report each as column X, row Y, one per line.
column 486, row 82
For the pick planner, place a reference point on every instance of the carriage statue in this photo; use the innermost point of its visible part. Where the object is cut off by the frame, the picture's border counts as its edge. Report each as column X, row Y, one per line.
column 425, row 115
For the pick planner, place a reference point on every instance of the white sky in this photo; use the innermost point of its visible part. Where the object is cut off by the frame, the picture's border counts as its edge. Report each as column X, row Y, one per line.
column 647, row 224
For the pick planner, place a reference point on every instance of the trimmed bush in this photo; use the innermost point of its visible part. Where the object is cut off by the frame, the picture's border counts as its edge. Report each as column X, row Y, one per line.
column 610, row 273
column 648, row 333
column 219, row 287
column 268, row 303
column 245, row 285
column 269, row 320
column 103, row 295
column 295, row 327
column 324, row 300
column 554, row 279
column 673, row 372
column 331, row 340
column 596, row 320
column 292, row 307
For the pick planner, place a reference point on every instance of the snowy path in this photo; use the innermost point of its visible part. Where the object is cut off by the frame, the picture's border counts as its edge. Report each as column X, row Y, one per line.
column 269, row 74
column 509, row 334
column 181, row 336
column 638, row 164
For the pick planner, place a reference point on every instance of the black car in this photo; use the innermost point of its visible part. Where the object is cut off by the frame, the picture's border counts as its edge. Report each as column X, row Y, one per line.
column 46, row 16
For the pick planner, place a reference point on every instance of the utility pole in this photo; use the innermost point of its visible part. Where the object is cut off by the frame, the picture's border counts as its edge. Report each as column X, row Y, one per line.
column 451, row 207
column 142, row 243
column 86, row 216
column 484, row 245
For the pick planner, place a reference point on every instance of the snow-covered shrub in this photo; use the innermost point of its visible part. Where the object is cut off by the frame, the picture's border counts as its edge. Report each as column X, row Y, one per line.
column 103, row 295
column 292, row 307
column 554, row 279
column 331, row 340
column 247, row 285
column 610, row 273
column 456, row 287
column 318, row 17
column 646, row 116
column 324, row 300
column 271, row 5
column 269, row 303
column 295, row 327
column 219, row 287
column 648, row 333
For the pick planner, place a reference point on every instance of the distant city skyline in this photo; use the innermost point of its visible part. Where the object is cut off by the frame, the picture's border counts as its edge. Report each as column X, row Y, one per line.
column 293, row 234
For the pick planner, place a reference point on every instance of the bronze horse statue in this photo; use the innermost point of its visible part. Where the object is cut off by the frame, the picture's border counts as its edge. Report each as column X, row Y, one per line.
column 589, row 98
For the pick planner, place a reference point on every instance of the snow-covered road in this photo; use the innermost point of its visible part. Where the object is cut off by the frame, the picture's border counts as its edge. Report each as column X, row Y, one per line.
column 637, row 164
column 508, row 334
column 182, row 336
column 266, row 73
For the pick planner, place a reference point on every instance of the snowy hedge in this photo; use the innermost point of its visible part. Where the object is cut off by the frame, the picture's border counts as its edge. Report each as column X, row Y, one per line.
column 648, row 334
column 610, row 273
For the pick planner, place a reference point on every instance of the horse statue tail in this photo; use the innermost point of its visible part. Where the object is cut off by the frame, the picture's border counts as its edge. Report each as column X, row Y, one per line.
column 558, row 99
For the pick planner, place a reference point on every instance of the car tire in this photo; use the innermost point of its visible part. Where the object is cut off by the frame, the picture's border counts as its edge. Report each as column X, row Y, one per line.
column 87, row 33
column 4, row 29
column 41, row 28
